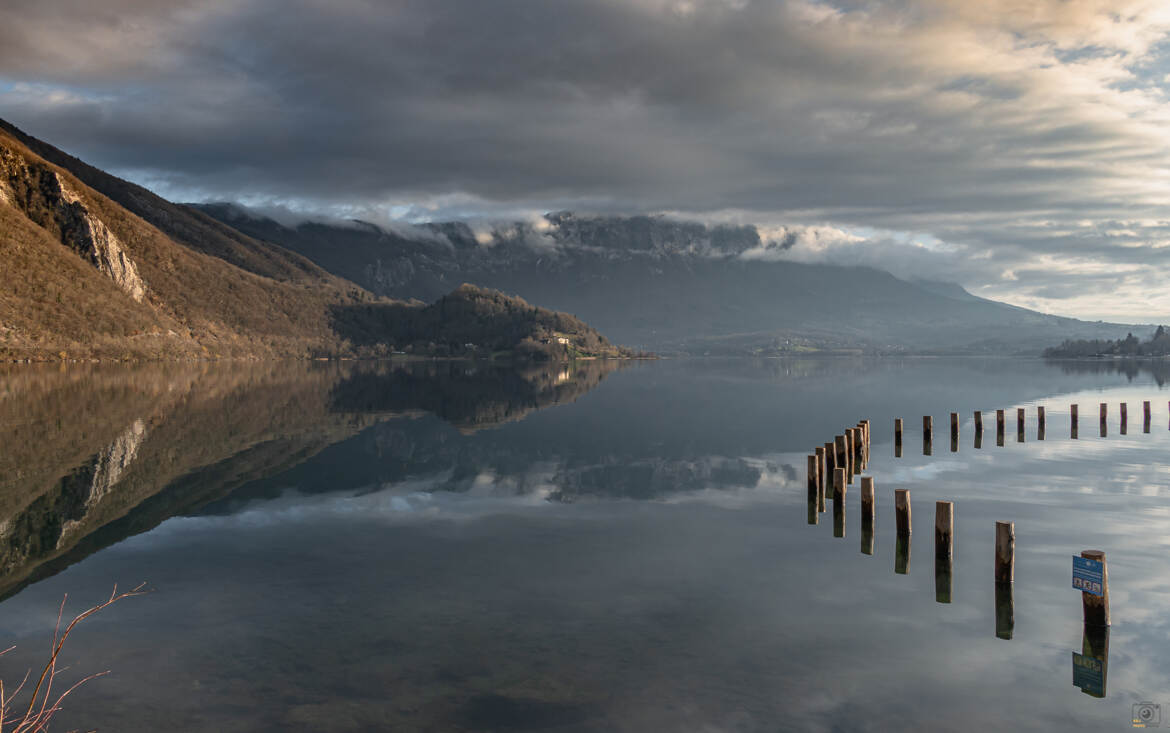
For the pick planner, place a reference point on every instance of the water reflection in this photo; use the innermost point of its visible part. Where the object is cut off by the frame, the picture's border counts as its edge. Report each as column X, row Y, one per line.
column 100, row 454
column 428, row 548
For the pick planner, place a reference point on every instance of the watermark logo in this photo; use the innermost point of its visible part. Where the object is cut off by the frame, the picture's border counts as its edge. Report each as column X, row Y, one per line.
column 1147, row 715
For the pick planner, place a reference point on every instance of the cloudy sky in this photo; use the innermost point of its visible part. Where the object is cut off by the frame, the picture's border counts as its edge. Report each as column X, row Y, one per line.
column 1020, row 147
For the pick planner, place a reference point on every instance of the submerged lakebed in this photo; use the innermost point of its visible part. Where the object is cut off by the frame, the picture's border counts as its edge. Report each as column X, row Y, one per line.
column 598, row 546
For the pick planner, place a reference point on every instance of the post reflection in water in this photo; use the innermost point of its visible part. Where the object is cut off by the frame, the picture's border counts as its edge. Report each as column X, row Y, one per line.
column 1005, row 610
column 838, row 515
column 866, row 535
column 902, row 554
column 943, row 573
column 1091, row 666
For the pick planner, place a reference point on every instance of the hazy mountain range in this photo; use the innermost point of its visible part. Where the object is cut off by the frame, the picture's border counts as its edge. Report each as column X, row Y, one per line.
column 96, row 267
column 661, row 284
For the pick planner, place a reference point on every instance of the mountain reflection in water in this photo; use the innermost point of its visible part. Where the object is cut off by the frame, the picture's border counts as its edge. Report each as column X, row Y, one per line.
column 95, row 454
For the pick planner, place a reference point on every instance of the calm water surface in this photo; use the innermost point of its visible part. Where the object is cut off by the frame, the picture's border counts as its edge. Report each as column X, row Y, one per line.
column 591, row 548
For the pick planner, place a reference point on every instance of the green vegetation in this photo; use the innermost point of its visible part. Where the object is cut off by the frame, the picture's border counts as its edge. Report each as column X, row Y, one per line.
column 1131, row 346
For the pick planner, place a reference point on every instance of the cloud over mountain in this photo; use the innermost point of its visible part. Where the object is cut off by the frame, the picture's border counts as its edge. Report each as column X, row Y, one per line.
column 1022, row 144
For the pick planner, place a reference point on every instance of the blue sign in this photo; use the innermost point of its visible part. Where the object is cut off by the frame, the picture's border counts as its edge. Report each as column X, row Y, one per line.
column 1089, row 674
column 1088, row 575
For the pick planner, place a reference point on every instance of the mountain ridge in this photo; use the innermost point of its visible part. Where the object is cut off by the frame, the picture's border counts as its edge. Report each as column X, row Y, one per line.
column 672, row 286
column 86, row 277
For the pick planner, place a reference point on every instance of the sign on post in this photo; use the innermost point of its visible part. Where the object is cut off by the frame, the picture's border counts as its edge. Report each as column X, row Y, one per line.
column 1088, row 575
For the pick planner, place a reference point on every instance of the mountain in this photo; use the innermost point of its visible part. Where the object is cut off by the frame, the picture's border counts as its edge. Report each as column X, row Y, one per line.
column 667, row 285
column 96, row 267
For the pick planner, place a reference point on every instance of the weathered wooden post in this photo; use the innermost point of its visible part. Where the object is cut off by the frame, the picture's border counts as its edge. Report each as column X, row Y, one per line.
column 867, row 501
column 1019, row 425
column 839, row 446
column 850, row 462
column 839, row 482
column 902, row 510
column 999, row 428
column 927, row 434
column 1146, row 416
column 944, row 536
column 1124, row 427
column 1041, row 423
column 944, row 528
column 954, row 432
column 1073, row 422
column 1005, row 610
column 830, row 465
column 1005, row 552
column 1096, row 608
column 820, row 450
column 1005, row 575
column 897, row 437
column 1104, row 412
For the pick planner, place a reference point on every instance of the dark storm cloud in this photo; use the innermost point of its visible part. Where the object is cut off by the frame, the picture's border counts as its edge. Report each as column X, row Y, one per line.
column 948, row 133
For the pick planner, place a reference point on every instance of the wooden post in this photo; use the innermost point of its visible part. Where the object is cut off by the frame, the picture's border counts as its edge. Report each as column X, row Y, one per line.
column 999, row 428
column 1123, row 428
column 1146, row 416
column 850, row 463
column 821, row 467
column 859, row 448
column 839, row 446
column 830, row 465
column 1019, row 425
column 1041, row 423
column 867, row 508
column 1073, row 422
column 867, row 499
column 944, row 528
column 1005, row 610
column 814, row 477
column 902, row 510
column 1096, row 608
column 814, row 516
column 954, row 431
column 927, row 434
column 897, row 437
column 839, row 481
column 1005, row 552
column 1104, row 412
column 944, row 551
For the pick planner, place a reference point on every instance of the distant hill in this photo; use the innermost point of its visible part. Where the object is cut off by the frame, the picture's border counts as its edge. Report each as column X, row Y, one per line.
column 1158, row 345
column 95, row 267
column 665, row 285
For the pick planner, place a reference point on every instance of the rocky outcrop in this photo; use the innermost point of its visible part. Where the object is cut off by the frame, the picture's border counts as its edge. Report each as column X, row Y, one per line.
column 48, row 200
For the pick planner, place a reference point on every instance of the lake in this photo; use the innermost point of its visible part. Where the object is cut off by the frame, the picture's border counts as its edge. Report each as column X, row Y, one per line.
column 591, row 547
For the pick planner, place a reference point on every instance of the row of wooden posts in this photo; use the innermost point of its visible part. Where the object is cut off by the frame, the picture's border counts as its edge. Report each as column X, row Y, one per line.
column 1041, row 426
column 848, row 455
